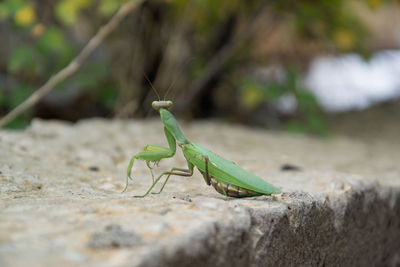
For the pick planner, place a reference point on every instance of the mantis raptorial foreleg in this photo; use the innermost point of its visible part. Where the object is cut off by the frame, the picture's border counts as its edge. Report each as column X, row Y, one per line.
column 154, row 148
column 151, row 170
column 153, row 153
column 147, row 156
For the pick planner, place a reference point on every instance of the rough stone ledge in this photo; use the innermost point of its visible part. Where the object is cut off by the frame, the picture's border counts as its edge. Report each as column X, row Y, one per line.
column 61, row 202
column 360, row 227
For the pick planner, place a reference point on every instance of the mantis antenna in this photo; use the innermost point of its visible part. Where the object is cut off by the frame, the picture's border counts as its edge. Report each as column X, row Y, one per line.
column 151, row 85
column 169, row 89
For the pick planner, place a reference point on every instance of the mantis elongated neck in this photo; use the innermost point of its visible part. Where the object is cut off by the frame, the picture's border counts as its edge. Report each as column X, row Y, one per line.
column 171, row 124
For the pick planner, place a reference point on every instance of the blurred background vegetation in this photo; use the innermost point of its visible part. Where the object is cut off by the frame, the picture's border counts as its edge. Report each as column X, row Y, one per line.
column 239, row 61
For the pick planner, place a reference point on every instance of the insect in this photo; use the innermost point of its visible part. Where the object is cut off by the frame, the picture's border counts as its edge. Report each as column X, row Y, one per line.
column 225, row 176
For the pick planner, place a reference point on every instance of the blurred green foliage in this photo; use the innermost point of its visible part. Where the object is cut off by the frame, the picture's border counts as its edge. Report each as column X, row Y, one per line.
column 309, row 119
column 331, row 21
column 161, row 35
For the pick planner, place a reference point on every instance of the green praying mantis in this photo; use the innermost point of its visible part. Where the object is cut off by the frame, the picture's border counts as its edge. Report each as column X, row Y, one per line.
column 225, row 176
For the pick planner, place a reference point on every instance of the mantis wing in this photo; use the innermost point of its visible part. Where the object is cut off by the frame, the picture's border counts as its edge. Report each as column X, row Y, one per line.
column 226, row 171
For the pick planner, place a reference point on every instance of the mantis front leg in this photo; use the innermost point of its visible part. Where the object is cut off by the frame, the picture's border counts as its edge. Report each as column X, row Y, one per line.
column 153, row 153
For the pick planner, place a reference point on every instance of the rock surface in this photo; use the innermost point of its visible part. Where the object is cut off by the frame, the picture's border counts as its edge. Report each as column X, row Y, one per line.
column 61, row 201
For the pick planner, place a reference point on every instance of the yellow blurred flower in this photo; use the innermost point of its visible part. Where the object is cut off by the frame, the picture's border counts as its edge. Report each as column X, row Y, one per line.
column 25, row 16
column 344, row 39
column 374, row 4
column 252, row 96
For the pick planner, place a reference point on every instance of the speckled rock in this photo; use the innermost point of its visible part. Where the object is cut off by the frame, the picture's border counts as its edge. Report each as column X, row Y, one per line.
column 61, row 202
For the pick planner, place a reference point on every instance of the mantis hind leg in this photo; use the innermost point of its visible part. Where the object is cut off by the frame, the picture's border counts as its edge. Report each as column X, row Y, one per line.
column 184, row 172
column 173, row 171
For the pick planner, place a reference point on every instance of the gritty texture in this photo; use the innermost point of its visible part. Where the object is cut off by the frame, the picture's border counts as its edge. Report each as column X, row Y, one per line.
column 61, row 202
column 113, row 237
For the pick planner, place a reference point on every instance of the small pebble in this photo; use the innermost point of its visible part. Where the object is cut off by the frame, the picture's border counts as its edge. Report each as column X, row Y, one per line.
column 107, row 186
column 165, row 211
column 186, row 198
column 290, row 167
column 94, row 168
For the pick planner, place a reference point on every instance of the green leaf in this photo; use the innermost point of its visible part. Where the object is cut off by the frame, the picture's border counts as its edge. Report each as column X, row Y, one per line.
column 273, row 91
column 54, row 43
column 295, row 126
column 19, row 94
column 9, row 7
column 317, row 123
column 4, row 11
column 21, row 58
column 2, row 96
column 108, row 7
column 108, row 95
column 306, row 100
column 68, row 10
column 17, row 123
column 91, row 74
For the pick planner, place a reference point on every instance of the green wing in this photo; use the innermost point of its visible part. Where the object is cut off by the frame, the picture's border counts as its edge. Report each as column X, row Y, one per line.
column 226, row 170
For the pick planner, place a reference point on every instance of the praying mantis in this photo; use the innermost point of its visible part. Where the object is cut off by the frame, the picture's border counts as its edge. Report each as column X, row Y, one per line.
column 225, row 176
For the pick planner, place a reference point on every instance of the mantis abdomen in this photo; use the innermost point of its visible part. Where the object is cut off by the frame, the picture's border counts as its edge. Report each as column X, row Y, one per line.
column 232, row 190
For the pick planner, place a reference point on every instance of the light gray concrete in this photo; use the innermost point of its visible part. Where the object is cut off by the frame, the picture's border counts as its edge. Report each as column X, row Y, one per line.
column 61, row 204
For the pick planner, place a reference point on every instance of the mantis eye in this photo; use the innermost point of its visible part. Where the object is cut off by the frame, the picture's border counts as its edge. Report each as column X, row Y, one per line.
column 162, row 104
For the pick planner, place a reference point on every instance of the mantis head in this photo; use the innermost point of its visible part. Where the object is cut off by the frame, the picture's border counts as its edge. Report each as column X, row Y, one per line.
column 166, row 104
